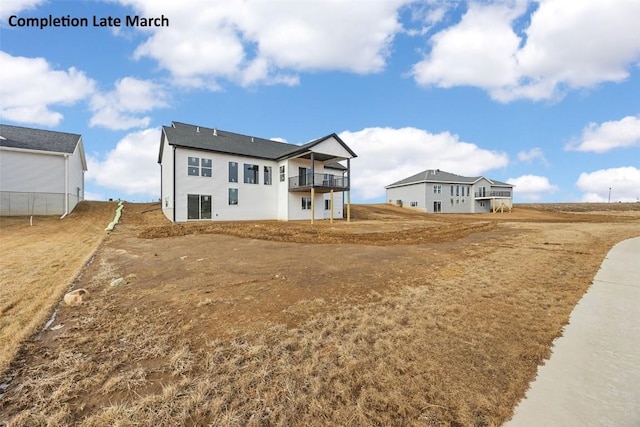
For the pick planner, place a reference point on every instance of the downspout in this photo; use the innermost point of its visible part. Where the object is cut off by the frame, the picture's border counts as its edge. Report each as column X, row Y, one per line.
column 66, row 186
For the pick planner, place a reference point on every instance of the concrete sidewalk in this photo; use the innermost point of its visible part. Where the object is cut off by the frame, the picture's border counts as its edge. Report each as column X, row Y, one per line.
column 593, row 375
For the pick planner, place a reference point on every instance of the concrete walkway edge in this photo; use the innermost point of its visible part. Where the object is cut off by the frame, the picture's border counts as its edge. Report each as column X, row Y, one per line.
column 593, row 375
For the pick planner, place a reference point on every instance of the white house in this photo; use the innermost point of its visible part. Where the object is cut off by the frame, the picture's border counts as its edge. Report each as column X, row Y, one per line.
column 212, row 175
column 439, row 191
column 41, row 171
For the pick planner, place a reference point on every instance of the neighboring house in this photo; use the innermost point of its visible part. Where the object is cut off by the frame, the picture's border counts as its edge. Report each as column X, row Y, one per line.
column 41, row 171
column 214, row 175
column 439, row 191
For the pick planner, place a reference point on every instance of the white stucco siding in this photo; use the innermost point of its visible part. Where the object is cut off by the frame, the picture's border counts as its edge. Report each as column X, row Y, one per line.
column 333, row 147
column 282, row 189
column 166, row 176
column 256, row 201
column 338, row 205
column 408, row 194
column 76, row 178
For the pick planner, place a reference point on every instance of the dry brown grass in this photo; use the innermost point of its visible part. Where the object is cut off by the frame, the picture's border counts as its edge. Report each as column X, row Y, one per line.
column 39, row 263
column 442, row 333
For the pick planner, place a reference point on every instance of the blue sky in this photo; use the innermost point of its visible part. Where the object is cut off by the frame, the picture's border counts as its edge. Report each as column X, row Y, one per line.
column 541, row 94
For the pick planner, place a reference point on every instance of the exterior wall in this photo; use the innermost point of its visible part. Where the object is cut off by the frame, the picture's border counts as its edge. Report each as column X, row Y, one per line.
column 166, row 177
column 76, row 178
column 21, row 203
column 255, row 201
column 331, row 146
column 457, row 200
column 338, row 204
column 407, row 194
column 422, row 194
column 294, row 199
column 31, row 183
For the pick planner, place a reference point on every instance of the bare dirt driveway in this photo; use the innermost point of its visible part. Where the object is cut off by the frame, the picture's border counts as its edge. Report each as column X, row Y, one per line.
column 398, row 318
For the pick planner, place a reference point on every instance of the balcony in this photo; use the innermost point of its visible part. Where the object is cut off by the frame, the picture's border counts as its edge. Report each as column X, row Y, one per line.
column 320, row 182
column 491, row 194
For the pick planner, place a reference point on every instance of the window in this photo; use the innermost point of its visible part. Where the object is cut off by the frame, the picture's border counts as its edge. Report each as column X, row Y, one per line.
column 194, row 166
column 306, row 203
column 482, row 203
column 437, row 206
column 267, row 175
column 233, row 196
column 468, row 191
column 199, row 167
column 457, row 190
column 205, row 170
column 281, row 173
column 452, row 190
column 251, row 173
column 451, row 202
column 437, row 189
column 327, row 204
column 198, row 206
column 233, row 172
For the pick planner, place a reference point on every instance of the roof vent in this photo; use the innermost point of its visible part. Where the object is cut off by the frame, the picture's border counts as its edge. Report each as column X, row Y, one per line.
column 198, row 129
column 215, row 132
column 251, row 139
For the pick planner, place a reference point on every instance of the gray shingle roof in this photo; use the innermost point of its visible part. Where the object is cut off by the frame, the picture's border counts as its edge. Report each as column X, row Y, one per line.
column 203, row 138
column 436, row 175
column 38, row 139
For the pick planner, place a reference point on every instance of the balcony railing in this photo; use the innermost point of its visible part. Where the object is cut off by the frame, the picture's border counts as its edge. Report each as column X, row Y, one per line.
column 481, row 194
column 318, row 181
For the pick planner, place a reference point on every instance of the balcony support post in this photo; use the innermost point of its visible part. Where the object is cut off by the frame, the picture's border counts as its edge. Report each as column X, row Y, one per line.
column 349, row 192
column 331, row 206
column 313, row 204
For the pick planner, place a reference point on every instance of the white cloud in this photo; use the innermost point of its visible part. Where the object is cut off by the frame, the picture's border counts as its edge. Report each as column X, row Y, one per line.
column 12, row 7
column 531, row 187
column 267, row 42
column 624, row 183
column 531, row 155
column 30, row 88
column 131, row 167
column 609, row 135
column 88, row 195
column 117, row 109
column 478, row 51
column 386, row 155
column 568, row 45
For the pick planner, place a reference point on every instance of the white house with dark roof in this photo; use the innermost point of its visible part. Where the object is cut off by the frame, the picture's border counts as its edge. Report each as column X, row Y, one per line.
column 212, row 175
column 41, row 171
column 434, row 190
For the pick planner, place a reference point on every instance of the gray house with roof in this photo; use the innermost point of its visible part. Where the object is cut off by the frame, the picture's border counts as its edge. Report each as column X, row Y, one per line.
column 434, row 190
column 209, row 174
column 41, row 171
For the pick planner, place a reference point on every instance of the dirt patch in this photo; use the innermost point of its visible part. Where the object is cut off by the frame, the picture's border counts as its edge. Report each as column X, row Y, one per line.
column 398, row 318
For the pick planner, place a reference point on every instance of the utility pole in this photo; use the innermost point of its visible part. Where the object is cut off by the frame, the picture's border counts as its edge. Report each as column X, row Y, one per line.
column 609, row 195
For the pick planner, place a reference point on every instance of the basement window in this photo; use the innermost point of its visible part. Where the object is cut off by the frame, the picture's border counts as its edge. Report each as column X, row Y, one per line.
column 233, row 171
column 306, row 203
column 233, row 196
